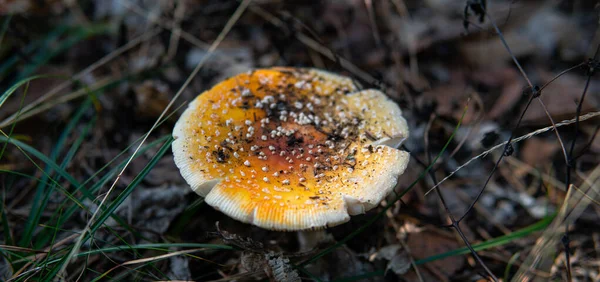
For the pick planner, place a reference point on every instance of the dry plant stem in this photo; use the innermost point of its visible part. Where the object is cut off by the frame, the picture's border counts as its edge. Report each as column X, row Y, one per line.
column 155, row 258
column 102, row 82
column 315, row 36
column 511, row 178
column 176, row 34
column 136, row 41
column 20, row 249
column 570, row 159
column 82, row 268
column 577, row 120
column 559, row 75
column 343, row 36
column 516, row 140
column 401, row 8
column 347, row 65
column 507, row 149
column 413, row 62
column 22, row 195
column 30, row 271
column 40, row 256
column 536, row 93
column 562, row 145
column 508, row 48
column 316, row 59
column 478, row 119
column 399, row 236
column 589, row 143
column 596, row 240
column 412, row 260
column 455, row 223
column 441, row 277
column 236, row 15
column 532, row 171
column 585, row 179
column 461, row 194
column 503, row 259
column 575, row 203
column 372, row 22
column 165, row 24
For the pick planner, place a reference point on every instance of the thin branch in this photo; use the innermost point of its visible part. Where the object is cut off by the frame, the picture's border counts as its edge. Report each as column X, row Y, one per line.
column 516, row 140
column 455, row 223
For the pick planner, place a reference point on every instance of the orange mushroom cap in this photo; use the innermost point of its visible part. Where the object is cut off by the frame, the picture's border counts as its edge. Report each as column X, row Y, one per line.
column 291, row 149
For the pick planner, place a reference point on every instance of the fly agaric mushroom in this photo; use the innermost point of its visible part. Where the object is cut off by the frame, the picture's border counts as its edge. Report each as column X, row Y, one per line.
column 291, row 149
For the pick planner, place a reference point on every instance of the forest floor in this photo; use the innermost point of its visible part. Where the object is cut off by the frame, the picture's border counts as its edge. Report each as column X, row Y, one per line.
column 91, row 89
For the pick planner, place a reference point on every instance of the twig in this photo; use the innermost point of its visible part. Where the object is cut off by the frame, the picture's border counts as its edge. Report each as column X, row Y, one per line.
column 455, row 223
column 516, row 140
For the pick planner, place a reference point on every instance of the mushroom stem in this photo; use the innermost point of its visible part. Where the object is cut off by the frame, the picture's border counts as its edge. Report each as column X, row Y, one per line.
column 309, row 239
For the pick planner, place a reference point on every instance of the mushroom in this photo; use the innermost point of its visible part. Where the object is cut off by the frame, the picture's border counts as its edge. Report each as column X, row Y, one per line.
column 291, row 148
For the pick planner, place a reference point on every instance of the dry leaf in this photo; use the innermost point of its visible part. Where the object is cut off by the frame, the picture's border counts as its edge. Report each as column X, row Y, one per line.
column 537, row 151
column 427, row 244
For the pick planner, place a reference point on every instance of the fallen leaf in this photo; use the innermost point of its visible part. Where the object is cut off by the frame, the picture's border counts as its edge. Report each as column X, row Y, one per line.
column 427, row 244
column 537, row 151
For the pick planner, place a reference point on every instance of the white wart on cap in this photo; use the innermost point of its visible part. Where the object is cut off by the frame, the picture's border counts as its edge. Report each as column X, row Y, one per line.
column 291, row 149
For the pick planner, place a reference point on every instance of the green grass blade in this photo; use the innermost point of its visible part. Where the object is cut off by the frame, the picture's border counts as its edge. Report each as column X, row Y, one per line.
column 111, row 174
column 114, row 171
column 40, row 199
column 163, row 247
column 21, row 174
column 185, row 217
column 136, row 181
column 499, row 241
column 108, row 211
column 4, row 28
column 44, row 159
column 8, row 240
column 76, row 34
column 43, row 239
column 51, row 37
column 77, row 144
column 102, row 181
column 14, row 124
column 20, row 83
column 509, row 265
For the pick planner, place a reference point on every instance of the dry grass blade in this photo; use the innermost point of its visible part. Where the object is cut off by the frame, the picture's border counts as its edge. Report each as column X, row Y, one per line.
column 576, row 201
column 516, row 140
column 42, row 254
column 24, row 112
column 230, row 23
column 517, row 164
column 176, row 34
column 100, row 83
column 19, row 249
column 87, row 84
column 165, row 24
column 155, row 258
column 373, row 22
column 313, row 44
